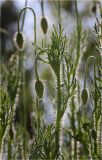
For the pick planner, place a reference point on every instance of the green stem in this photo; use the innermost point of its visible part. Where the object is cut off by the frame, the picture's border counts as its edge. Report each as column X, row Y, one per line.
column 38, row 116
column 73, row 127
column 59, row 13
column 95, row 97
column 34, row 21
column 94, row 63
column 42, row 7
column 78, row 35
column 58, row 113
column 86, row 69
column 36, row 72
column 23, row 20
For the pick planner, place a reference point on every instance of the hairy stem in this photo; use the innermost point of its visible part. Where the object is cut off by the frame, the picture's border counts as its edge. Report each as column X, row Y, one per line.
column 23, row 20
column 34, row 21
column 78, row 35
column 58, row 113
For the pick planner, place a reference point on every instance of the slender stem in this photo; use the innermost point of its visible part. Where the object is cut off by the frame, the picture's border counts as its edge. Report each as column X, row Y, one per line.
column 86, row 69
column 58, row 112
column 95, row 98
column 38, row 115
column 58, row 93
column 59, row 13
column 78, row 34
column 42, row 7
column 23, row 20
column 34, row 21
column 36, row 72
column 73, row 127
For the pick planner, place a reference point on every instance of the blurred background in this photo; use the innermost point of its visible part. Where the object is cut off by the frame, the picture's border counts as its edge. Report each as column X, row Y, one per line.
column 11, row 8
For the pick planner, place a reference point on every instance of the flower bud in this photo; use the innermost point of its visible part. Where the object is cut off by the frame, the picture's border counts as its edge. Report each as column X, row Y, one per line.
column 44, row 25
column 94, row 134
column 19, row 40
column 11, row 134
column 94, row 9
column 39, row 88
column 84, row 96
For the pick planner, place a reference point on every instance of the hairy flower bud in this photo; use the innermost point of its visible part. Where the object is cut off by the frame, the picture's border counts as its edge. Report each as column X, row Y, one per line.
column 39, row 88
column 94, row 134
column 84, row 96
column 44, row 25
column 19, row 41
column 94, row 9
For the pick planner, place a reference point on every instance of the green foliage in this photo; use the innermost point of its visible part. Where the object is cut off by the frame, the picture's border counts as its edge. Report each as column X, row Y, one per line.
column 22, row 115
column 5, row 109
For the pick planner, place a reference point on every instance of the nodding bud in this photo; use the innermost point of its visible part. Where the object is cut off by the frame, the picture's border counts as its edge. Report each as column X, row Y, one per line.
column 19, row 41
column 11, row 134
column 39, row 88
column 94, row 9
column 94, row 134
column 84, row 96
column 44, row 25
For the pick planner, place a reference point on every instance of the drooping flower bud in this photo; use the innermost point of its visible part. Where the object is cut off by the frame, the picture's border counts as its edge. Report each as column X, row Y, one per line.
column 84, row 96
column 94, row 134
column 19, row 41
column 94, row 9
column 39, row 88
column 44, row 25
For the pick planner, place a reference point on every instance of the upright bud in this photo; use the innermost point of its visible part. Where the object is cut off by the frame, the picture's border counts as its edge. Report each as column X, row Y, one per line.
column 39, row 88
column 19, row 40
column 84, row 96
column 44, row 25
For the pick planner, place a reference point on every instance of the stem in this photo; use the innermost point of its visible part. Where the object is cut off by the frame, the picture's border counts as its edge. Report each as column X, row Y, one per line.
column 58, row 118
column 58, row 114
column 42, row 7
column 86, row 69
column 36, row 72
column 78, row 34
column 59, row 13
column 24, row 16
column 4, row 139
column 94, row 115
column 34, row 21
column 38, row 116
column 73, row 128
